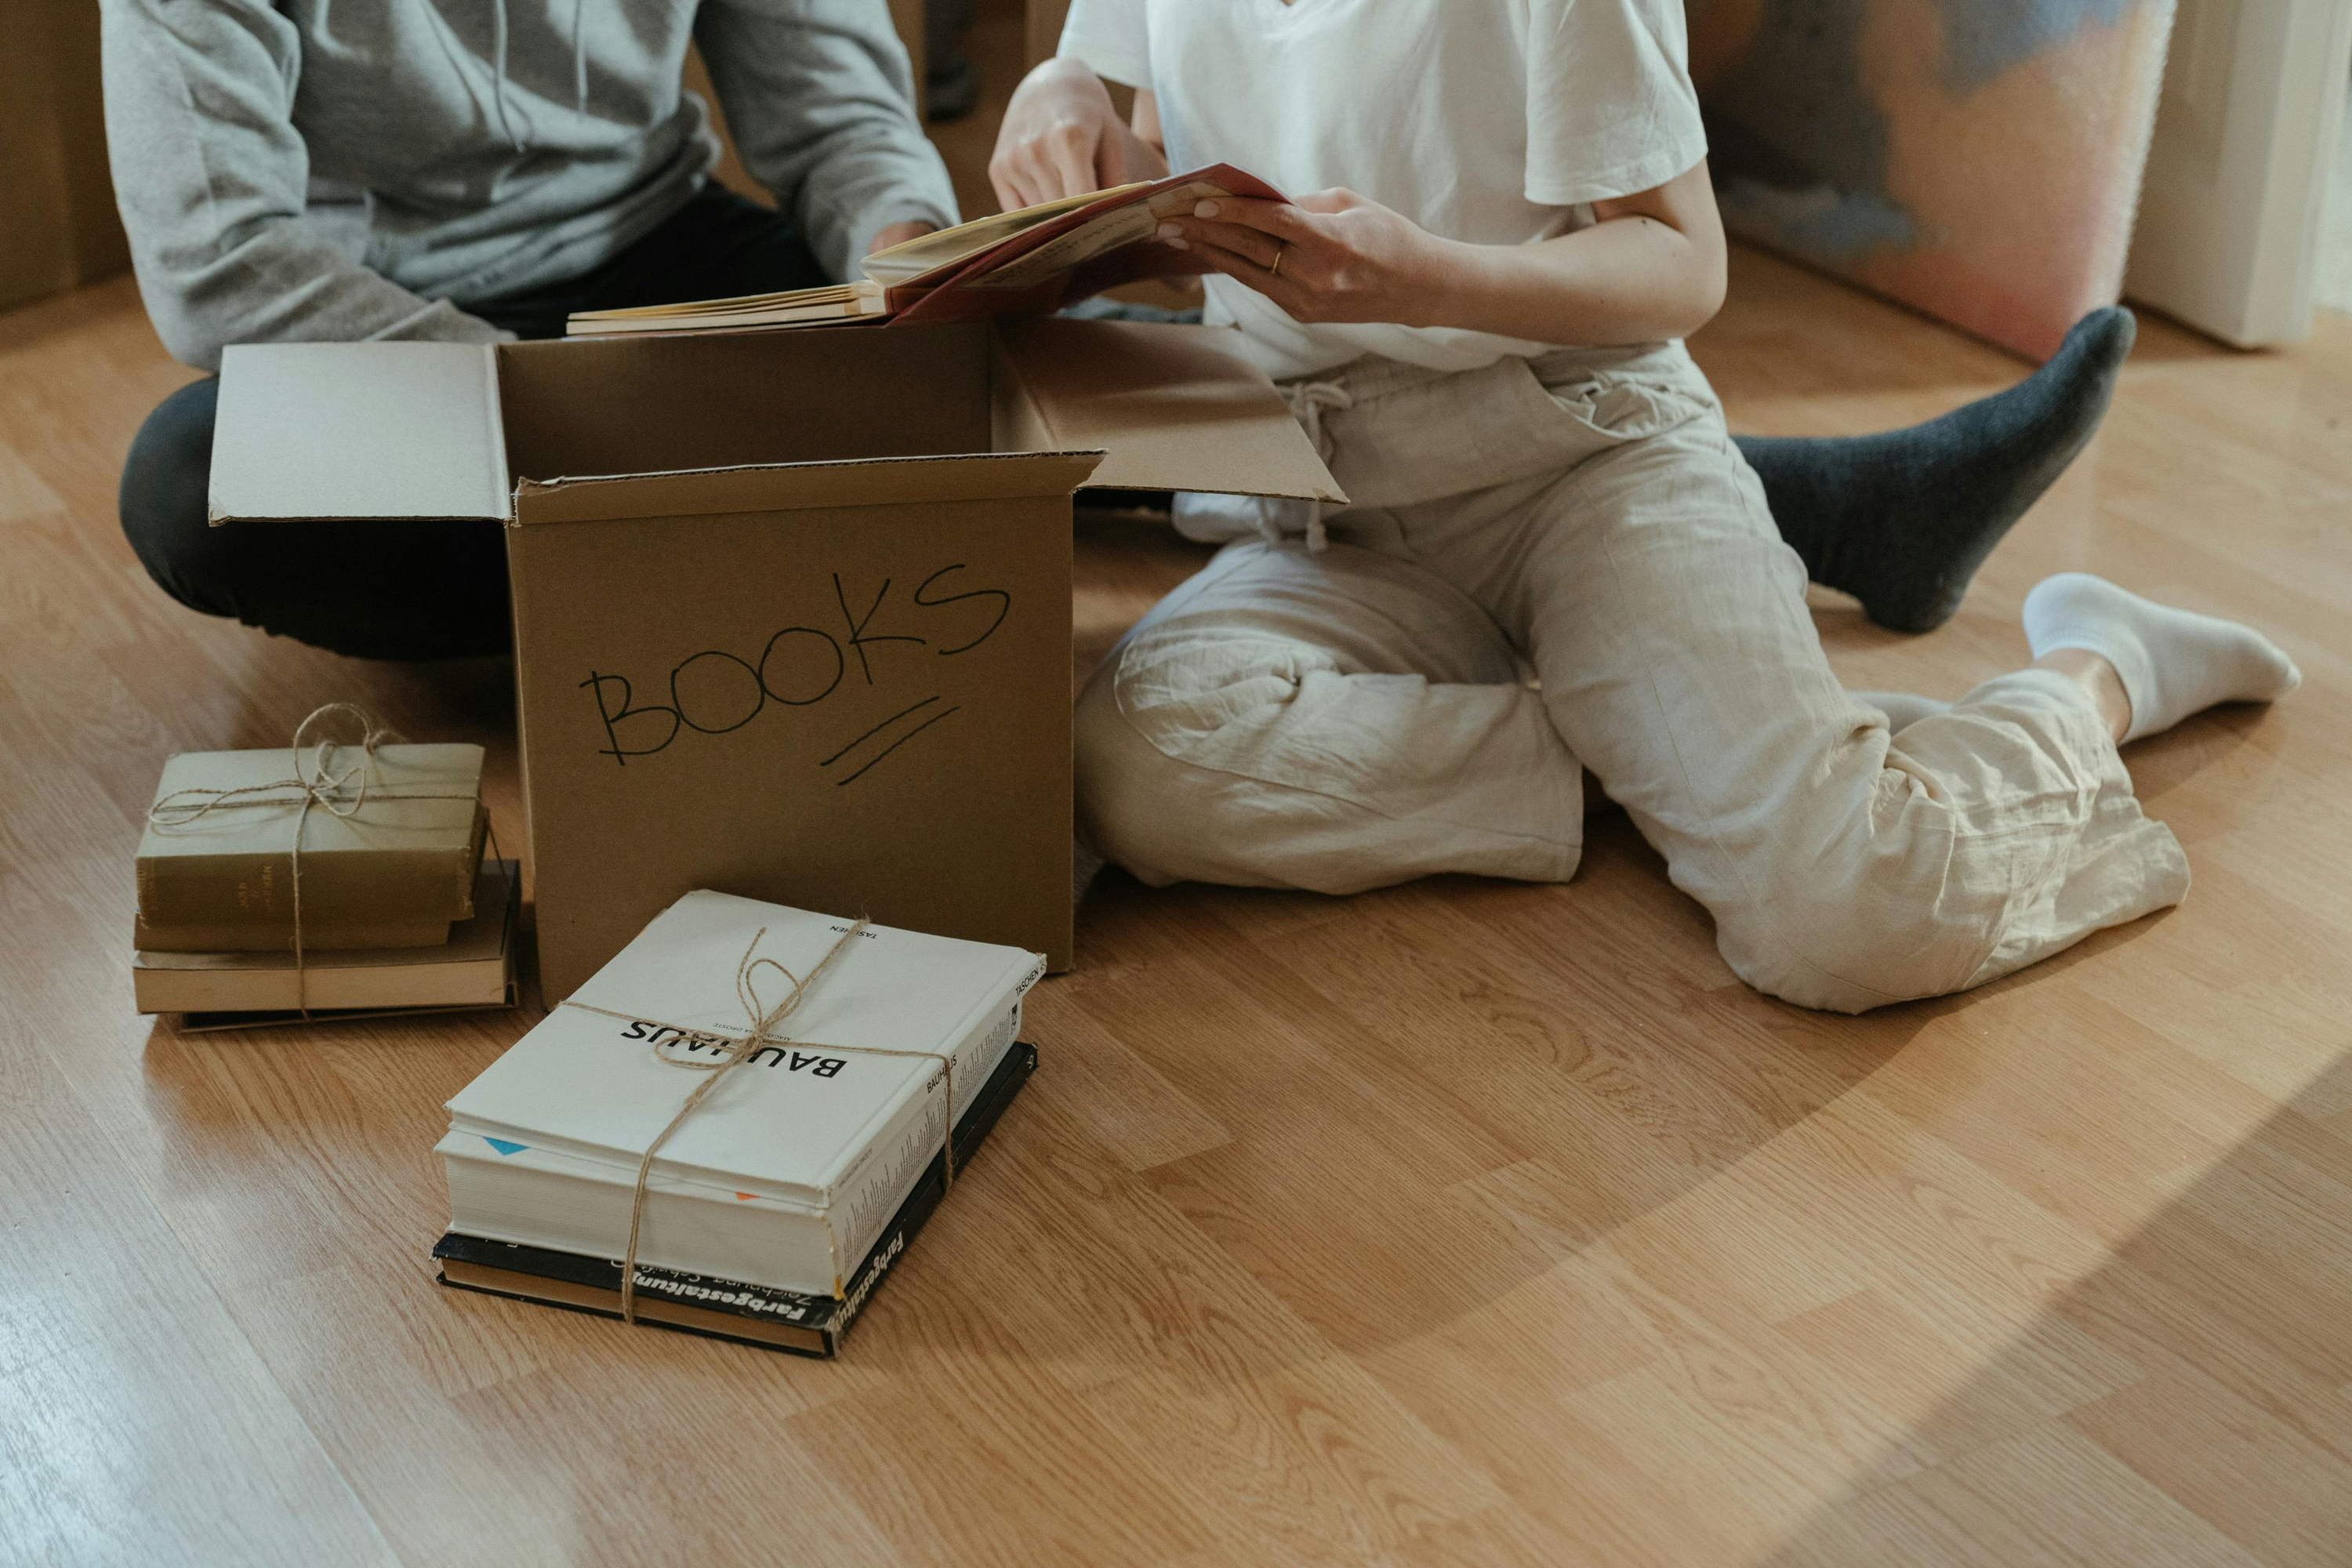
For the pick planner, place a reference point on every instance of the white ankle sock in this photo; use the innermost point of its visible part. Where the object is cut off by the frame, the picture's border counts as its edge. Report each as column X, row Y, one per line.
column 1902, row 708
column 2173, row 662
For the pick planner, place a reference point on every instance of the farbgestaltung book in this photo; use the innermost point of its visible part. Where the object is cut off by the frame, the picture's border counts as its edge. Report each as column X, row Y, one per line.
column 732, row 1308
column 1027, row 262
column 790, row 1169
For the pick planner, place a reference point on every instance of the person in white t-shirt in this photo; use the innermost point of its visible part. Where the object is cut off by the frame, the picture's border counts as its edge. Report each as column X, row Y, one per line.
column 1555, row 557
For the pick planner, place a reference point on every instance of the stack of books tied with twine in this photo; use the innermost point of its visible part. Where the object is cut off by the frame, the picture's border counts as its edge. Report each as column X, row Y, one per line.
column 349, row 878
column 736, row 1125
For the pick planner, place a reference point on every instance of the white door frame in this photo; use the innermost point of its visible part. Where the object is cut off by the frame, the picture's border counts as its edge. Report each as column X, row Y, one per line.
column 2230, row 215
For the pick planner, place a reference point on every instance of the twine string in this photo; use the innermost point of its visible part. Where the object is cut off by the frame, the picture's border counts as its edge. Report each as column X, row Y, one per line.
column 765, row 1023
column 314, row 784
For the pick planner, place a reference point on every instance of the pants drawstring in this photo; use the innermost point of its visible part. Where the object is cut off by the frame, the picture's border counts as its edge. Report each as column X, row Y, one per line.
column 1308, row 400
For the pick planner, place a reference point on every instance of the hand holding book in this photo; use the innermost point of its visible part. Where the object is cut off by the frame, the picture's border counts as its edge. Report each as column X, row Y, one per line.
column 1028, row 262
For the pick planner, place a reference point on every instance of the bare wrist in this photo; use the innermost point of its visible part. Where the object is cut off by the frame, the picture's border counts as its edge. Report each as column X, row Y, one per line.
column 1451, row 281
column 1065, row 76
column 1513, row 291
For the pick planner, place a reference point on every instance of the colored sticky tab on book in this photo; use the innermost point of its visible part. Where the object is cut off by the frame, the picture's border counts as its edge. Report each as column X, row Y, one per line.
column 503, row 1147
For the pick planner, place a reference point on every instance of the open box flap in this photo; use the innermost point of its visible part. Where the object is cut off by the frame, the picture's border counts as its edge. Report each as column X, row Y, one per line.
column 359, row 430
column 1175, row 408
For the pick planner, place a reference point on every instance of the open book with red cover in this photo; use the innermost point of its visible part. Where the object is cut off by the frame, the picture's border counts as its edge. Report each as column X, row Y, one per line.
column 1028, row 262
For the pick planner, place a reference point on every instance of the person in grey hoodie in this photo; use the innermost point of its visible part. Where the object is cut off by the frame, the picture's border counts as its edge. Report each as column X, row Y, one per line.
column 463, row 171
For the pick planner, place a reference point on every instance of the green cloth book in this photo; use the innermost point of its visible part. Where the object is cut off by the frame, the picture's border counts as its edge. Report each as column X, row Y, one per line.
column 475, row 968
column 395, row 871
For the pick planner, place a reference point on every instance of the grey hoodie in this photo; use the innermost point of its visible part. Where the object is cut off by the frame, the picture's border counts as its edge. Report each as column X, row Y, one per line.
column 353, row 169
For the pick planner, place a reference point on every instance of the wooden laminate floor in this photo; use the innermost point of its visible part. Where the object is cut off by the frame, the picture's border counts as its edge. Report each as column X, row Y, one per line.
column 1464, row 1224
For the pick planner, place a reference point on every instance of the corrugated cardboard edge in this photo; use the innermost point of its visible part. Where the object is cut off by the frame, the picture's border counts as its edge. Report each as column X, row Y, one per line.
column 495, row 420
column 804, row 486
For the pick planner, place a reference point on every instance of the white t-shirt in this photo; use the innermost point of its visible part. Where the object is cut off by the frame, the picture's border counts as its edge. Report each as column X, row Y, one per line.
column 1490, row 122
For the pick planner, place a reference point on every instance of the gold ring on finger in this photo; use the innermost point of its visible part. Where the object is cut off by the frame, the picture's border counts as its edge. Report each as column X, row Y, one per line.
column 1274, row 270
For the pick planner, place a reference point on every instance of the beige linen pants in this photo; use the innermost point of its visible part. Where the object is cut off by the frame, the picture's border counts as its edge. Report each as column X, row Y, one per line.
column 1359, row 715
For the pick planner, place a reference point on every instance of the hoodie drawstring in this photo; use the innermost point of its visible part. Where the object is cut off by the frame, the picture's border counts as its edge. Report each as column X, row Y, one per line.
column 1308, row 400
column 498, row 69
column 579, row 57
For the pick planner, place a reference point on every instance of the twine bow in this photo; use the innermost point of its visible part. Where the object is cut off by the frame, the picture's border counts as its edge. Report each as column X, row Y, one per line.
column 764, row 1023
column 314, row 783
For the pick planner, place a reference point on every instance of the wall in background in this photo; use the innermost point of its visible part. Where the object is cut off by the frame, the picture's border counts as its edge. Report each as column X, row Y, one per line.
column 1978, row 161
column 2333, row 286
column 2229, row 223
column 1044, row 26
column 58, row 225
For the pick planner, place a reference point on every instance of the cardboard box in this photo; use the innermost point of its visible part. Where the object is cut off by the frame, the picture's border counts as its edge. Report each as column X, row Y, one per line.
column 791, row 609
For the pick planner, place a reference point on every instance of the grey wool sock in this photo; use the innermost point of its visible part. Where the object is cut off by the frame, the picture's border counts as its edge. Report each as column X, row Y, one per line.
column 1903, row 520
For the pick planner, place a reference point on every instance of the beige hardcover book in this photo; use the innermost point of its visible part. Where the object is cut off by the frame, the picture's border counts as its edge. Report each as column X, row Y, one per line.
column 475, row 968
column 900, row 264
column 795, row 307
column 405, row 861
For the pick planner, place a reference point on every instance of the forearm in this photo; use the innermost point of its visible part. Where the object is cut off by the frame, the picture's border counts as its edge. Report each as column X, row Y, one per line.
column 1651, row 267
column 821, row 99
column 278, row 284
column 1630, row 280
